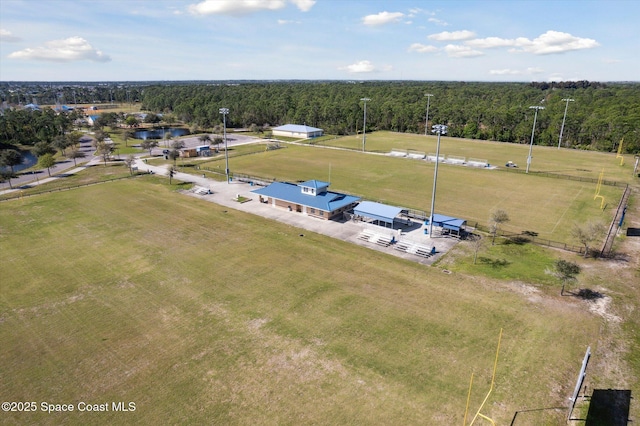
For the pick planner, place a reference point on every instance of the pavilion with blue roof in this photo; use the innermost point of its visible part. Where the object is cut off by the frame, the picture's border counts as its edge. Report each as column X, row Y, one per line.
column 311, row 198
column 377, row 213
column 449, row 225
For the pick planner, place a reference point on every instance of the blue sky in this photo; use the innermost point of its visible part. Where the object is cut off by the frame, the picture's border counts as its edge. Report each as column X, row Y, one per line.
column 135, row 40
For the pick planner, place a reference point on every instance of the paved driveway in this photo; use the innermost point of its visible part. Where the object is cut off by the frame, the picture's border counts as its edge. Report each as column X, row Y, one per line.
column 225, row 194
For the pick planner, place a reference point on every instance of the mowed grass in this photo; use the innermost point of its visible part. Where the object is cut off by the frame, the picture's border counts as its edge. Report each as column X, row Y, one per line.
column 546, row 159
column 201, row 314
column 545, row 205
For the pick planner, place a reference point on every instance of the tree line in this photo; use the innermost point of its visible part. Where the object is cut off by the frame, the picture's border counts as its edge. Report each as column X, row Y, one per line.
column 599, row 116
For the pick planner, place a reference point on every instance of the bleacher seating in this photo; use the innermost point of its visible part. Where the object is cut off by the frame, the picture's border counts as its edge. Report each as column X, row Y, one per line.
column 200, row 190
column 414, row 248
column 417, row 155
column 372, row 237
column 474, row 162
column 397, row 153
column 409, row 247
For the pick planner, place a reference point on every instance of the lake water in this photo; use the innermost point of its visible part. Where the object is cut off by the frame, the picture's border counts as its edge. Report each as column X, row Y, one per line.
column 159, row 133
column 28, row 160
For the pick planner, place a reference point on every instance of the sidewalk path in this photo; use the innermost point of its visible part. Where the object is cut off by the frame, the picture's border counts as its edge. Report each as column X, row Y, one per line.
column 225, row 194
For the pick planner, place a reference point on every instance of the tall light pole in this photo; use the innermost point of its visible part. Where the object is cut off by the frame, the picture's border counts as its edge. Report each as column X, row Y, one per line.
column 564, row 118
column 224, row 112
column 440, row 129
column 364, row 126
column 535, row 117
column 426, row 120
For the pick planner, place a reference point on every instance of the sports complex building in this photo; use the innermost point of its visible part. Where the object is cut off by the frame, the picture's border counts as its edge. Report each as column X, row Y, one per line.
column 297, row 131
column 313, row 198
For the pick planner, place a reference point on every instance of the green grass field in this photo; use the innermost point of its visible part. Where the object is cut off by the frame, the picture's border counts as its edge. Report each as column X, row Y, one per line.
column 199, row 314
column 546, row 205
column 544, row 159
column 130, row 292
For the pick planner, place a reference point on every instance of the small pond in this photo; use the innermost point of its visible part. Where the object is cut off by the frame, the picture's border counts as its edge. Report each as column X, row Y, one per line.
column 159, row 133
column 28, row 160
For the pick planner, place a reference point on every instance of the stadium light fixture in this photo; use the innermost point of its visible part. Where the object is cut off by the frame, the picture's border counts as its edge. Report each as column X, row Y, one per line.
column 426, row 120
column 535, row 117
column 567, row 100
column 440, row 129
column 364, row 126
column 224, row 112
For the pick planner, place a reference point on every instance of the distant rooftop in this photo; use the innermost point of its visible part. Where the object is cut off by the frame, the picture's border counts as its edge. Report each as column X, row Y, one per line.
column 297, row 128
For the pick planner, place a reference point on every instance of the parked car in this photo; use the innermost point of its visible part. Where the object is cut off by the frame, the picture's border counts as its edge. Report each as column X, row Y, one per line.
column 511, row 164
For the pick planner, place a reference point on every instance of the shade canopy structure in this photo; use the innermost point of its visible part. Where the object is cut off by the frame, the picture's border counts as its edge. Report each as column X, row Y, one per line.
column 449, row 223
column 382, row 213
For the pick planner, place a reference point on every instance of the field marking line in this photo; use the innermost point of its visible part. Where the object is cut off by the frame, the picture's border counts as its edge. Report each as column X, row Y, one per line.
column 566, row 210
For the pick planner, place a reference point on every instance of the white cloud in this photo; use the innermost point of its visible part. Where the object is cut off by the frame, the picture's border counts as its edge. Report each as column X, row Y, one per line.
column 287, row 22
column 360, row 67
column 490, row 42
column 304, row 5
column 459, row 51
column 438, row 22
column 244, row 7
column 6, row 35
column 505, row 71
column 547, row 43
column 554, row 42
column 422, row 48
column 382, row 18
column 69, row 49
column 452, row 36
column 509, row 71
column 234, row 7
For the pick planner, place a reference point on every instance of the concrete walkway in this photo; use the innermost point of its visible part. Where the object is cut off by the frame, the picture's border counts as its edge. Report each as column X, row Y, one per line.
column 225, row 194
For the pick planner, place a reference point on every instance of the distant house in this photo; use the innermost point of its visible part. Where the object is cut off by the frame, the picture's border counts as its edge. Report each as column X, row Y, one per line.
column 311, row 198
column 92, row 119
column 199, row 151
column 297, row 131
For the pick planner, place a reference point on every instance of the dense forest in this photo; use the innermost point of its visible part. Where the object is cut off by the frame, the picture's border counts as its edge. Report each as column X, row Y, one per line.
column 597, row 118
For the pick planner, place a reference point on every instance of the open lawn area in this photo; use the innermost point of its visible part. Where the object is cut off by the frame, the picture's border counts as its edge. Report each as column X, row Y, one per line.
column 546, row 205
column 129, row 291
column 544, row 158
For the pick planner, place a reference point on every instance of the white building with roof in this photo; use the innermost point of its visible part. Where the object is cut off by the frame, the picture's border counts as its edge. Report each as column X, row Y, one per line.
column 301, row 131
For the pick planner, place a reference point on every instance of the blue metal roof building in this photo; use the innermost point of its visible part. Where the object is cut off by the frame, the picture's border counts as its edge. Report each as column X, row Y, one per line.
column 448, row 223
column 311, row 198
column 381, row 213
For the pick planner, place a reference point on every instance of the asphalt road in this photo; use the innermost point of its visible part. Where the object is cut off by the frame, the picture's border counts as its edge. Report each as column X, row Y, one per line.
column 36, row 177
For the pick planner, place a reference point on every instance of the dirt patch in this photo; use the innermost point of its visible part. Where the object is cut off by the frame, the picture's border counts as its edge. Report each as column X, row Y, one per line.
column 601, row 307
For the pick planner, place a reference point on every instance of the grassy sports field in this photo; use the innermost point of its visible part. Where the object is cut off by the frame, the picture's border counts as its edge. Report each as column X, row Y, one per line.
column 545, row 158
column 546, row 205
column 130, row 292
